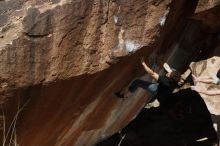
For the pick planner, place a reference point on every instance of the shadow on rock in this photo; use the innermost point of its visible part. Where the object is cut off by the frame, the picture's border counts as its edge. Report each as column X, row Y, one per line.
column 183, row 121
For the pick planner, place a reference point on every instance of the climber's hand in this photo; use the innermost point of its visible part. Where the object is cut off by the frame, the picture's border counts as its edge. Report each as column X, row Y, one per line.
column 143, row 60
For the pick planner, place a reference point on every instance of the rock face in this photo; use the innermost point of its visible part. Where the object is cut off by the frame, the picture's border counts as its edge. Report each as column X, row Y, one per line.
column 63, row 56
column 206, row 68
column 65, row 59
column 177, row 126
column 206, row 4
column 45, row 41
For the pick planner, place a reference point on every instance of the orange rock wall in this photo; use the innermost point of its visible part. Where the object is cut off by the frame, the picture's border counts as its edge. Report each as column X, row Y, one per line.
column 70, row 57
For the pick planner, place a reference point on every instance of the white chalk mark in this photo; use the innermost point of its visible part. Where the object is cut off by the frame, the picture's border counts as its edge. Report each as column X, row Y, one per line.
column 163, row 19
column 131, row 46
column 115, row 19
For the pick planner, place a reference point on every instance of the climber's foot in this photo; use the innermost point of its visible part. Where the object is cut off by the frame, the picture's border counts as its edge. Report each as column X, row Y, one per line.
column 119, row 95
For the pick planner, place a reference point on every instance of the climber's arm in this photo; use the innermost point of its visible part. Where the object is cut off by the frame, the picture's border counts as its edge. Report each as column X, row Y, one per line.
column 149, row 71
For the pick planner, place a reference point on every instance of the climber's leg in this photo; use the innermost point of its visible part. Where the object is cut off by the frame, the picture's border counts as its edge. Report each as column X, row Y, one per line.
column 139, row 83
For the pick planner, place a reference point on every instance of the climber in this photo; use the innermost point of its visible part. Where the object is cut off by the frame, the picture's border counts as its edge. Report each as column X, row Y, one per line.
column 164, row 86
column 208, row 79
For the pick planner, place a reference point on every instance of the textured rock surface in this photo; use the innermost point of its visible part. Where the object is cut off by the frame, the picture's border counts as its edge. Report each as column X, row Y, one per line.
column 43, row 41
column 206, row 4
column 207, row 19
column 62, row 55
column 69, row 57
column 206, row 68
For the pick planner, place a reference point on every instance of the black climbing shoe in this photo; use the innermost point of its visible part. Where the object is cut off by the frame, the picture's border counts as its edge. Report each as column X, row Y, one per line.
column 119, row 95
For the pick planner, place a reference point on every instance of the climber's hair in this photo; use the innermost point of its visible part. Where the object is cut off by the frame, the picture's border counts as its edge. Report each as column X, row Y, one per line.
column 218, row 74
column 175, row 76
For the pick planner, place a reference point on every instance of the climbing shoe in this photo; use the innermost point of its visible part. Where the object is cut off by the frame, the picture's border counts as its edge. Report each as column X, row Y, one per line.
column 119, row 95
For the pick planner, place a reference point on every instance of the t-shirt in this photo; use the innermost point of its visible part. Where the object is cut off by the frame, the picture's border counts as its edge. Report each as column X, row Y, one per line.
column 165, row 88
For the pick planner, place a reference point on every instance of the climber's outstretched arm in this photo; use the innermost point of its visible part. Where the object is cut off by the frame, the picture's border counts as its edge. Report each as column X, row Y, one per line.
column 149, row 71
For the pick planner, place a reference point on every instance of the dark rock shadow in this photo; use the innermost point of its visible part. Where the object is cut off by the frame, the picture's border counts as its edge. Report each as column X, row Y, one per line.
column 216, row 120
column 182, row 121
